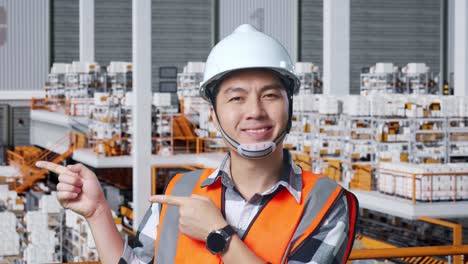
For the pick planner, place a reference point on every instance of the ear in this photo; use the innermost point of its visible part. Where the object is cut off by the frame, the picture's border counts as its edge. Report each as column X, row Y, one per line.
column 214, row 118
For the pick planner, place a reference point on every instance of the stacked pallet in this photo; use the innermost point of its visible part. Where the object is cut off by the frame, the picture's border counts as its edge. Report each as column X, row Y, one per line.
column 333, row 171
column 362, row 178
column 78, row 241
column 10, row 199
column 42, row 240
column 11, row 244
column 433, row 182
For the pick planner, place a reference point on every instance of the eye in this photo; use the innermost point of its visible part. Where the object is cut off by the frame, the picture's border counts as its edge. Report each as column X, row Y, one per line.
column 271, row 96
column 235, row 99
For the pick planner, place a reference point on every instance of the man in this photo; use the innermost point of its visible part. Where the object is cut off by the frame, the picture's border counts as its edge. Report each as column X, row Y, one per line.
column 258, row 206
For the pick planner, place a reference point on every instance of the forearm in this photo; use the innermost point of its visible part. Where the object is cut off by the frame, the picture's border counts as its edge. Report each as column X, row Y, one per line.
column 108, row 242
column 238, row 252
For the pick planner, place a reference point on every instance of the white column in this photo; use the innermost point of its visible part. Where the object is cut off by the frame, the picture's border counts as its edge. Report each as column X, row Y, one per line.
column 450, row 36
column 336, row 16
column 142, row 95
column 461, row 48
column 87, row 30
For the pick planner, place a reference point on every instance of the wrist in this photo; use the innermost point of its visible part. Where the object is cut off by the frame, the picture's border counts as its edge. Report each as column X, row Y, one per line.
column 216, row 226
column 101, row 210
column 218, row 240
column 233, row 237
column 220, row 224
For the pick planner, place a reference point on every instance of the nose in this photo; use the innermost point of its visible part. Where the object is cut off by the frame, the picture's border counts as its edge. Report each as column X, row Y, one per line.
column 255, row 108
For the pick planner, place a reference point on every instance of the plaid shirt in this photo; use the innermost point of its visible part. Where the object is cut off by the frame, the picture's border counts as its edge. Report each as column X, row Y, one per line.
column 328, row 245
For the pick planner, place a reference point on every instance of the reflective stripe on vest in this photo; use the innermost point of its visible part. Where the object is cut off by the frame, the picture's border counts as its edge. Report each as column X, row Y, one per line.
column 281, row 221
column 168, row 228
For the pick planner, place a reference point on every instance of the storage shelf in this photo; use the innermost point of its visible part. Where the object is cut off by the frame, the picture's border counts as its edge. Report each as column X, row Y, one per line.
column 88, row 157
column 458, row 129
column 464, row 154
column 363, row 130
column 360, row 141
column 392, row 205
column 429, row 132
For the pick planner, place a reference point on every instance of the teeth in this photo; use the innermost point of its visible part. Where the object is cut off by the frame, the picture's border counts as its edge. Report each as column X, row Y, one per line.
column 256, row 130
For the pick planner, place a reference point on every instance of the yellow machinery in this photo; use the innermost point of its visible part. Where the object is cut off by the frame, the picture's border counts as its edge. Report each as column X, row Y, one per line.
column 375, row 249
column 182, row 127
column 25, row 157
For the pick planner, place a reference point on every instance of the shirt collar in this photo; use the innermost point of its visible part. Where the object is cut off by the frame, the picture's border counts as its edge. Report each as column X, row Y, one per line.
column 291, row 178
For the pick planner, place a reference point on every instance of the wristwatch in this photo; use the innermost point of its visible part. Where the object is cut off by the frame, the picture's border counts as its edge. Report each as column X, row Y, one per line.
column 217, row 241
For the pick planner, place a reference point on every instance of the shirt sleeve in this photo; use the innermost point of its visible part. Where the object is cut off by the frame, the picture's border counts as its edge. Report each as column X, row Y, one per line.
column 328, row 245
column 143, row 252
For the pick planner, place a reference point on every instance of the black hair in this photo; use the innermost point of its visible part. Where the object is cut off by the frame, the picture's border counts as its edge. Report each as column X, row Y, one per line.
column 212, row 90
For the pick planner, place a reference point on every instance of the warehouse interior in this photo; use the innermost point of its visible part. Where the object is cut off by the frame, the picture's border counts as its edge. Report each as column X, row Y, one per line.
column 114, row 85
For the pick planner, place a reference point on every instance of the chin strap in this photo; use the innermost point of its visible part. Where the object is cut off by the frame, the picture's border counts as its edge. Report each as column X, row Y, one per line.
column 253, row 150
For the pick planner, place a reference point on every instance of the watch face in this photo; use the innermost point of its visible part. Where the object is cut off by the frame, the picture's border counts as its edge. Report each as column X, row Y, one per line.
column 215, row 242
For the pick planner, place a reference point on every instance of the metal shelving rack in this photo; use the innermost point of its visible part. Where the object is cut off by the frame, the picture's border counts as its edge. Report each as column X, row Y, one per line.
column 429, row 140
column 188, row 84
column 418, row 83
column 164, row 122
column 358, row 135
column 358, row 146
column 126, row 126
column 310, row 77
column 395, row 142
column 311, row 83
column 379, row 83
column 414, row 78
column 457, row 139
column 75, row 244
column 120, row 83
column 188, row 92
column 300, row 138
column 56, row 221
column 195, row 108
column 80, row 88
column 109, row 116
column 55, row 89
column 104, row 123
column 327, row 136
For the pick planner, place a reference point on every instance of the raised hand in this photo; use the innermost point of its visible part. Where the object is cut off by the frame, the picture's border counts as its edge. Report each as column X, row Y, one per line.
column 198, row 215
column 78, row 188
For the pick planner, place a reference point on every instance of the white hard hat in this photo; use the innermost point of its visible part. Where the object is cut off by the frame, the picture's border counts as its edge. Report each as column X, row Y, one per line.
column 247, row 48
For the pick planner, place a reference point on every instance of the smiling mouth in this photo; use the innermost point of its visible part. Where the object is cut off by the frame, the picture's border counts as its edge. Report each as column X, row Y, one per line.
column 257, row 131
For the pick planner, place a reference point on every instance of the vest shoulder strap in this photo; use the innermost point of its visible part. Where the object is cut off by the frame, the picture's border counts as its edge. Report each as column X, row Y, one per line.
column 317, row 204
column 313, row 218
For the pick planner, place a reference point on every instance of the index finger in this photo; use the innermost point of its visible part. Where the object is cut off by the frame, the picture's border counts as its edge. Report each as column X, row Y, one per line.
column 59, row 169
column 168, row 199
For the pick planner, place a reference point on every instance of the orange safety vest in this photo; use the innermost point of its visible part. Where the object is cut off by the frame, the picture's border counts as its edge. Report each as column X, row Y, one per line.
column 281, row 221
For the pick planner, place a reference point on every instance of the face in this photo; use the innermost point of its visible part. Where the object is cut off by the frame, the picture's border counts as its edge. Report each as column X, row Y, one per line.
column 252, row 106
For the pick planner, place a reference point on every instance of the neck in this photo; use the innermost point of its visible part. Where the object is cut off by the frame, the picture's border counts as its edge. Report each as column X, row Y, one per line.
column 253, row 176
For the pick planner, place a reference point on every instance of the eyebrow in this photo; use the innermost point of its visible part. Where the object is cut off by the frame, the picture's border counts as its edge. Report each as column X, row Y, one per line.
column 234, row 89
column 264, row 88
column 271, row 86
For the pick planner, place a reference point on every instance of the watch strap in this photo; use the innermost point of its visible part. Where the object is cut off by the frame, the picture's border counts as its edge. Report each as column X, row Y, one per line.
column 228, row 230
